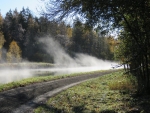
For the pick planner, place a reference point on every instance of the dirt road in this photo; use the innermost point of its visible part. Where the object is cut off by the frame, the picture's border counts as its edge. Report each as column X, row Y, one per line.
column 24, row 99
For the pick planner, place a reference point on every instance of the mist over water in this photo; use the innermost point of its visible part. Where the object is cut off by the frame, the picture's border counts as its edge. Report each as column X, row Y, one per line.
column 64, row 64
column 80, row 63
column 81, row 60
column 8, row 75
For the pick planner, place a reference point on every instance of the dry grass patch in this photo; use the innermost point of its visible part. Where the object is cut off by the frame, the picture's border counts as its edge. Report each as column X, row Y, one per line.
column 123, row 82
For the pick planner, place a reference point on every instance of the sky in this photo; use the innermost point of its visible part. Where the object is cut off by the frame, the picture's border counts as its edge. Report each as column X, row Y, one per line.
column 33, row 5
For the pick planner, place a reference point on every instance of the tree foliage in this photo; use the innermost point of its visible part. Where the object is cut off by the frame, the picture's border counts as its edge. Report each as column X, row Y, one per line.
column 26, row 30
column 131, row 17
column 2, row 40
column 14, row 52
column 85, row 40
column 1, row 21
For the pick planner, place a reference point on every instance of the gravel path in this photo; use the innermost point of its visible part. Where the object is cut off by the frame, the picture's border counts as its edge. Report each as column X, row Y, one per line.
column 24, row 99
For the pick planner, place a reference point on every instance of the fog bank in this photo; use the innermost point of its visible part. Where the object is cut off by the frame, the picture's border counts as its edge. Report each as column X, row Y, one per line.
column 60, row 57
column 63, row 63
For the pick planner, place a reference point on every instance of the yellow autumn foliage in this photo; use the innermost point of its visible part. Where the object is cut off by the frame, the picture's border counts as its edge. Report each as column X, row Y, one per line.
column 14, row 52
column 69, row 32
column 2, row 40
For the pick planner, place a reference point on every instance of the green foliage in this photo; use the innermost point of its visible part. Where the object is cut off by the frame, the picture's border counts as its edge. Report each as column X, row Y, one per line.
column 134, row 49
column 1, row 21
column 2, row 41
column 86, row 40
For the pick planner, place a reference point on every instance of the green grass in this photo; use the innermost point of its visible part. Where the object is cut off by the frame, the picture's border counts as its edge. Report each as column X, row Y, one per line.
column 33, row 80
column 100, row 95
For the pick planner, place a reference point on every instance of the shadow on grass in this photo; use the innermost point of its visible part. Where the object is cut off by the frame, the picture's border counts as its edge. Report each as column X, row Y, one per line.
column 78, row 109
column 108, row 111
column 75, row 109
column 51, row 109
column 141, row 104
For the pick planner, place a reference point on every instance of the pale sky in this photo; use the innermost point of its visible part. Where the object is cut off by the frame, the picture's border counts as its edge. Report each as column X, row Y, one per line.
column 33, row 5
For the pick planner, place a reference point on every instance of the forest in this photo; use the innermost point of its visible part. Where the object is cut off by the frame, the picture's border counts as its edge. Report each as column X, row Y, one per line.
column 131, row 18
column 20, row 33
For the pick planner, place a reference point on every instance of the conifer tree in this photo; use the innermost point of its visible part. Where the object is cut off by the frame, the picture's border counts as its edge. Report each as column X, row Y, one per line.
column 2, row 40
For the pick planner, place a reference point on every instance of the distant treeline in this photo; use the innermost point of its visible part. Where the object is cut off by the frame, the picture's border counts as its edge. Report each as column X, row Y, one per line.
column 20, row 32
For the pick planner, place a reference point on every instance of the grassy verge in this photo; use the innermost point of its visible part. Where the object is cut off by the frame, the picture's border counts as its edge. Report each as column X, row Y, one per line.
column 112, row 93
column 33, row 80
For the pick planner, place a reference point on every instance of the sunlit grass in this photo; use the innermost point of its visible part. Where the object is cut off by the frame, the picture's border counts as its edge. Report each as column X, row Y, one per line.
column 126, row 82
column 94, row 96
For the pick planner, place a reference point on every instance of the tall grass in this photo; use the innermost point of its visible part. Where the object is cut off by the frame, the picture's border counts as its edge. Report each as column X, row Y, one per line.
column 123, row 82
